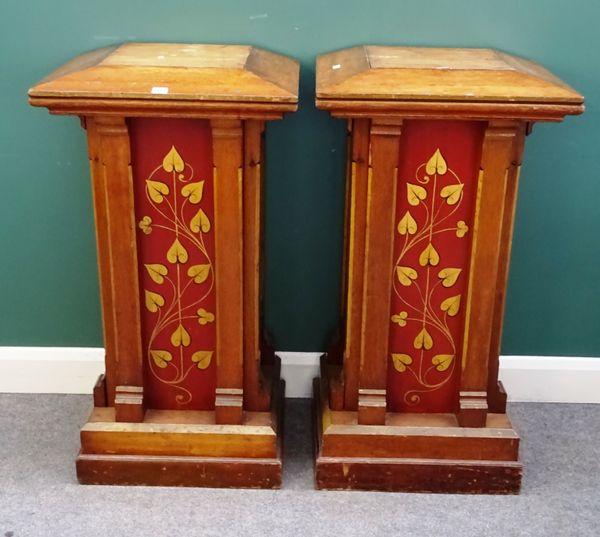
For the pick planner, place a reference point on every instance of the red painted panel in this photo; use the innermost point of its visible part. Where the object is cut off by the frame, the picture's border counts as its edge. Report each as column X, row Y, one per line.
column 437, row 185
column 174, row 212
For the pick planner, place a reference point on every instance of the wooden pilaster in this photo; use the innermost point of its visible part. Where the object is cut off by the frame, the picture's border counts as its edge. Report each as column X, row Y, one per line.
column 256, row 397
column 496, row 158
column 228, row 161
column 496, row 393
column 120, row 225
column 103, row 252
column 356, row 226
column 350, row 169
column 381, row 207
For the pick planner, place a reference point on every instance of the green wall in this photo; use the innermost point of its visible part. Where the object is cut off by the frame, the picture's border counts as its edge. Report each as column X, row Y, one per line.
column 48, row 289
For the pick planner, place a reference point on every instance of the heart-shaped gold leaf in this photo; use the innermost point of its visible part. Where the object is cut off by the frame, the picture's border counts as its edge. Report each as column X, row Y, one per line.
column 423, row 340
column 202, row 359
column 451, row 305
column 173, row 161
column 199, row 273
column 442, row 361
column 145, row 224
column 180, row 337
column 200, row 222
column 406, row 275
column 157, row 190
column 400, row 318
column 407, row 224
column 436, row 164
column 205, row 317
column 400, row 361
column 449, row 276
column 415, row 194
column 461, row 228
column 193, row 191
column 452, row 193
column 157, row 272
column 161, row 358
column 429, row 256
column 177, row 253
column 153, row 301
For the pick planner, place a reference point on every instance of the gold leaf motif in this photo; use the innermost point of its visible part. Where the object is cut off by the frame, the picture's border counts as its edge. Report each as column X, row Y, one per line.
column 401, row 361
column 449, row 276
column 200, row 222
column 193, row 191
column 461, row 228
column 451, row 305
column 153, row 301
column 415, row 194
column 407, row 224
column 205, row 317
column 423, row 340
column 442, row 361
column 400, row 318
column 202, row 358
column 157, row 272
column 199, row 272
column 429, row 256
column 157, row 190
column 161, row 358
column 177, row 253
column 180, row 337
column 436, row 164
column 406, row 275
column 145, row 224
column 452, row 193
column 173, row 161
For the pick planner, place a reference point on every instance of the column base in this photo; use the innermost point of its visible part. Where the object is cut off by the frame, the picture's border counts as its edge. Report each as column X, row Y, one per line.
column 183, row 448
column 413, row 453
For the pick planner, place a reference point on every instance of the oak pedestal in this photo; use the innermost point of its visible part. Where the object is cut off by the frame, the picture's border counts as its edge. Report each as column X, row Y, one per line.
column 409, row 398
column 191, row 395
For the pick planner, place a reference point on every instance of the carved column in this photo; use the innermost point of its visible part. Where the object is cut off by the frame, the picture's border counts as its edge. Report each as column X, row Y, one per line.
column 256, row 395
column 104, row 390
column 496, row 158
column 227, row 150
column 496, row 393
column 120, row 223
column 381, row 193
column 357, row 216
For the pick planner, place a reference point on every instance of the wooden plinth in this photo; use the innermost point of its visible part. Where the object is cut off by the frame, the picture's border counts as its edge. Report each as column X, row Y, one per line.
column 183, row 448
column 413, row 452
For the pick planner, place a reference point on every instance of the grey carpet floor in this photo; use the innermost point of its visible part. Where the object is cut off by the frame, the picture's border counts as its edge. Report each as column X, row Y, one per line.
column 39, row 494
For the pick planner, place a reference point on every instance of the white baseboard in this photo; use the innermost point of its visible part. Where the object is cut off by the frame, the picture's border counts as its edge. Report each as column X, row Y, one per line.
column 75, row 370
column 50, row 369
column 551, row 379
column 299, row 369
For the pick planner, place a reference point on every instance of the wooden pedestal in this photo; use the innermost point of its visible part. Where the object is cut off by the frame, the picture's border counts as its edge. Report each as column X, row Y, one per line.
column 409, row 398
column 191, row 395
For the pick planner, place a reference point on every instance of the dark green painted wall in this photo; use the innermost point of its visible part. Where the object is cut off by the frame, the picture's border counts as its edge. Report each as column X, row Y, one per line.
column 48, row 289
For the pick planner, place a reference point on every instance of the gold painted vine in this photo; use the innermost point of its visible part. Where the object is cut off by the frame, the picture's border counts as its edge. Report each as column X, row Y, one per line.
column 439, row 191
column 186, row 304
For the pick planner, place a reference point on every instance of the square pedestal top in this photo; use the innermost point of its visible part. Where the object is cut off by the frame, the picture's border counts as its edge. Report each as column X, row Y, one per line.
column 374, row 74
column 167, row 72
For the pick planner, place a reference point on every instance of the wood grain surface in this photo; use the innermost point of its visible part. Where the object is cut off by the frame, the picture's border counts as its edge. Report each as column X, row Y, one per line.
column 195, row 72
column 437, row 74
